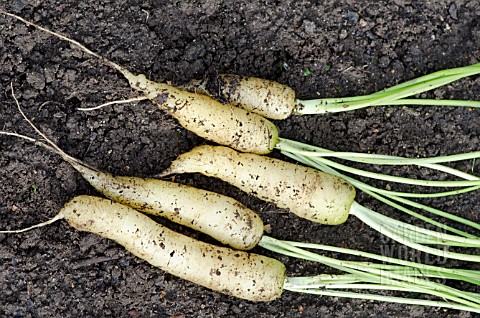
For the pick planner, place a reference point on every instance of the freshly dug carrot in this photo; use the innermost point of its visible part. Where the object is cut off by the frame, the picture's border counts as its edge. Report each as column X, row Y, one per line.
column 254, row 277
column 307, row 192
column 277, row 101
column 216, row 215
column 203, row 115
column 240, row 274
column 267, row 98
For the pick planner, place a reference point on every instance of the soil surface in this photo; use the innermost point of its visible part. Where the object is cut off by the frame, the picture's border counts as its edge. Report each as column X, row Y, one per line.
column 319, row 48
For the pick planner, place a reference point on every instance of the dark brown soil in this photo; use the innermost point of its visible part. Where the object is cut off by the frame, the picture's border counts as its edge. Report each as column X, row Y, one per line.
column 319, row 48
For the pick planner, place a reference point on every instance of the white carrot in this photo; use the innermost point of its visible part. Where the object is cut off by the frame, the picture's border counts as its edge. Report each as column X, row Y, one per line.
column 203, row 115
column 254, row 277
column 277, row 101
column 216, row 215
column 240, row 274
column 307, row 192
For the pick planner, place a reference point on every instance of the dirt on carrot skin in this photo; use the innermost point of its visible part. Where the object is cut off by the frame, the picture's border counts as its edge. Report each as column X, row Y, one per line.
column 319, row 48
